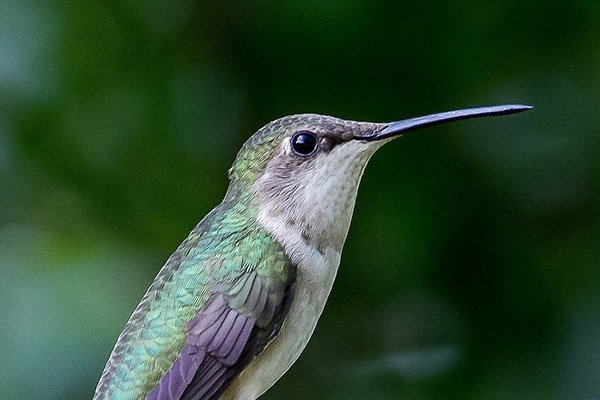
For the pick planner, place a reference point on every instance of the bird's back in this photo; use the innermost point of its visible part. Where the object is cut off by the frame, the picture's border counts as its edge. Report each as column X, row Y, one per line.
column 220, row 255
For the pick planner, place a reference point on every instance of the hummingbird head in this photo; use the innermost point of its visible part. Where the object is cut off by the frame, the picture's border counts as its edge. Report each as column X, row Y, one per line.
column 303, row 171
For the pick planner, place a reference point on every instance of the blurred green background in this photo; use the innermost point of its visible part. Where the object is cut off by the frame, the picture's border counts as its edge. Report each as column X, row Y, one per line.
column 471, row 267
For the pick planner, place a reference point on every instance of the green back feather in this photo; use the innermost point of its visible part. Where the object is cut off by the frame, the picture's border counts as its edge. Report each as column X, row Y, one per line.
column 218, row 255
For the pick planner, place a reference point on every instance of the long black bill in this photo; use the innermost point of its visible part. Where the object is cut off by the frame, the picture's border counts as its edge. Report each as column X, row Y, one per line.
column 399, row 127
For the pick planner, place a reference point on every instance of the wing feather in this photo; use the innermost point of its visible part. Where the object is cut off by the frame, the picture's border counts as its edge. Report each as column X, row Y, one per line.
column 220, row 342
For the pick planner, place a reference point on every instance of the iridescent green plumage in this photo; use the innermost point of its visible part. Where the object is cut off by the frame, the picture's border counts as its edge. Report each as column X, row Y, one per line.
column 218, row 255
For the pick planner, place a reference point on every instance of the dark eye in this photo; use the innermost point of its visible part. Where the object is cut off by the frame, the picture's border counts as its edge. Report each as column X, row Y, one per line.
column 304, row 143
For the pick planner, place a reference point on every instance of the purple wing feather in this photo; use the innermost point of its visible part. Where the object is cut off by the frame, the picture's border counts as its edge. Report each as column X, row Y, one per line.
column 217, row 336
column 221, row 341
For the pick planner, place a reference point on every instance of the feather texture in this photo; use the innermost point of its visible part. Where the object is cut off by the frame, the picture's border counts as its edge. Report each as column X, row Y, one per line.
column 214, row 306
column 217, row 336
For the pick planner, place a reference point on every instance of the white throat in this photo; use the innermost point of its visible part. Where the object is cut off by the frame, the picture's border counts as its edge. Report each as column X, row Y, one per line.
column 309, row 213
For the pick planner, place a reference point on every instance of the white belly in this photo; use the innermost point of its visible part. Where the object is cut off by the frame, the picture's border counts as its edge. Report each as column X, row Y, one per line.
column 313, row 286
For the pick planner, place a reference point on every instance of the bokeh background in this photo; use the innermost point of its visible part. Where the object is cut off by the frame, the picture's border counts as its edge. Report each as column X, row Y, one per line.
column 471, row 270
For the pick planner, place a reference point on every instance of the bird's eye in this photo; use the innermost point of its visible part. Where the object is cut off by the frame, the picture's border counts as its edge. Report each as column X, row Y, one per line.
column 304, row 143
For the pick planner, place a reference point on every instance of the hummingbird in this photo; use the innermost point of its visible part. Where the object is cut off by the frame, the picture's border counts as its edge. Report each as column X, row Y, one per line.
column 234, row 306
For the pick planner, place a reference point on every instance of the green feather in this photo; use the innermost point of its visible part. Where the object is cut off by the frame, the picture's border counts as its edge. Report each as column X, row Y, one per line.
column 219, row 255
